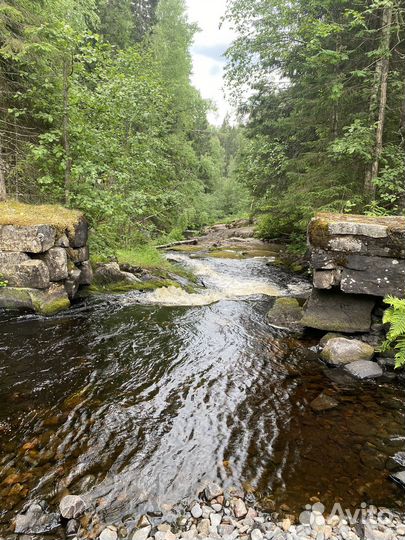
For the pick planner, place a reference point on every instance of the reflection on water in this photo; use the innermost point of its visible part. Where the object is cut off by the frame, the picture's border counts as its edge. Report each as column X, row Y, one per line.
column 137, row 404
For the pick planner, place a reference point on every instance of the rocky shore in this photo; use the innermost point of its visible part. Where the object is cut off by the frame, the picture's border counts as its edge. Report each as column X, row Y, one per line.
column 215, row 514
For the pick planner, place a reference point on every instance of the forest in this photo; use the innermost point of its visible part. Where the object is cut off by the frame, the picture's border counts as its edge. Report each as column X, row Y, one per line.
column 98, row 113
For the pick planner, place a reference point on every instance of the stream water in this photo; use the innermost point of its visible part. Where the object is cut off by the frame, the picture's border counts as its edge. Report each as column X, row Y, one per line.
column 135, row 399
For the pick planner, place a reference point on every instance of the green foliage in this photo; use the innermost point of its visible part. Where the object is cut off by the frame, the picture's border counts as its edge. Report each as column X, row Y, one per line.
column 310, row 112
column 395, row 317
column 98, row 112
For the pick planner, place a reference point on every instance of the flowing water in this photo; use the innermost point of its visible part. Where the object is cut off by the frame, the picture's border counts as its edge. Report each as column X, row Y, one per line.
column 136, row 399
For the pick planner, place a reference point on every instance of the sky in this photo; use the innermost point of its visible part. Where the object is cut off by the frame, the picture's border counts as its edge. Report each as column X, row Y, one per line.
column 207, row 52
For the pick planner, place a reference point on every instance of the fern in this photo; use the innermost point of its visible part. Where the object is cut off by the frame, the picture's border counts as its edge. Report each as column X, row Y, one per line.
column 395, row 317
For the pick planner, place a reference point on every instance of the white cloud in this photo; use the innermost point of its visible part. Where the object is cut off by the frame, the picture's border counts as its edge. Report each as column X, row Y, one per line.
column 207, row 52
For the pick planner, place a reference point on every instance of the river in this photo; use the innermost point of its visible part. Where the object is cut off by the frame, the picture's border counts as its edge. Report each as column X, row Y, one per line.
column 135, row 399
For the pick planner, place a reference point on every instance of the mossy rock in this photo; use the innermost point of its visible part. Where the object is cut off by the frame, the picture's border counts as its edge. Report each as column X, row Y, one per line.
column 44, row 302
column 286, row 314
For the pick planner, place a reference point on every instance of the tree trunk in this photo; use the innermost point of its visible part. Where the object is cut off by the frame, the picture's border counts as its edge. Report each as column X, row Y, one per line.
column 3, row 192
column 379, row 91
column 67, row 67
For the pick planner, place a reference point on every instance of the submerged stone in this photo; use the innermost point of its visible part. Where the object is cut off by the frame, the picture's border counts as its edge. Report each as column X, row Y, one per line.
column 323, row 403
column 339, row 351
column 36, row 521
column 338, row 312
column 364, row 369
column 72, row 506
column 286, row 314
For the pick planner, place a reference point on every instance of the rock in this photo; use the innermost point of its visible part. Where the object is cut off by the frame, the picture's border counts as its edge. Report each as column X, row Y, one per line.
column 378, row 276
column 36, row 521
column 72, row 506
column 216, row 507
column 62, row 241
column 168, row 535
column 239, row 508
column 323, row 403
column 12, row 258
column 286, row 524
column 212, row 491
column 370, row 259
column 340, row 351
column 72, row 527
column 326, row 279
column 86, row 273
column 225, row 529
column 29, row 239
column 57, row 263
column 30, row 273
column 108, row 273
column 196, row 510
column 45, row 302
column 78, row 234
column 399, row 478
column 73, row 282
column 338, row 312
column 364, row 369
column 141, row 534
column 78, row 255
column 143, row 522
column 215, row 519
column 286, row 314
column 386, row 363
column 204, row 527
column 109, row 533
column 256, row 534
column 330, row 335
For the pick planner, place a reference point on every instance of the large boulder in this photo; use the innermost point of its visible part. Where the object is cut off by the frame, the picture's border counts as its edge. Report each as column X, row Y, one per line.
column 335, row 311
column 57, row 262
column 29, row 239
column 340, row 351
column 108, row 273
column 30, row 273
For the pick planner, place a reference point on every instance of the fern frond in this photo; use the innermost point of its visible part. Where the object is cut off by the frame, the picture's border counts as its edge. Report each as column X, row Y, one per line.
column 395, row 317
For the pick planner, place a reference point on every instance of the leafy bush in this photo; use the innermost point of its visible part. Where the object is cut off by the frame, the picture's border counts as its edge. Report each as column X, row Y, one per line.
column 395, row 317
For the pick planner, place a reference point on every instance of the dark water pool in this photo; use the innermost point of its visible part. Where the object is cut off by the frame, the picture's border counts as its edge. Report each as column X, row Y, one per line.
column 137, row 404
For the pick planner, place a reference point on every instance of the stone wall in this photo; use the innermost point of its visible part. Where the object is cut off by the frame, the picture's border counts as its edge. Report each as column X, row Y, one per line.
column 355, row 260
column 43, row 265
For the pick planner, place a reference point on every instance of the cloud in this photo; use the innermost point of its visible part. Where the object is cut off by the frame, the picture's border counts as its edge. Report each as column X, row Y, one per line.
column 208, row 50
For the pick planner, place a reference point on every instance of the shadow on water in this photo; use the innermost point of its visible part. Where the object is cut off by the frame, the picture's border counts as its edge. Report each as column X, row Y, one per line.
column 137, row 404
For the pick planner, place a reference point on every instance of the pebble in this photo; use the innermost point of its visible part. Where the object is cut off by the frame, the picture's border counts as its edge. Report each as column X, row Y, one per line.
column 72, row 506
column 141, row 534
column 256, row 534
column 109, row 533
column 212, row 491
column 196, row 511
column 239, row 508
column 215, row 519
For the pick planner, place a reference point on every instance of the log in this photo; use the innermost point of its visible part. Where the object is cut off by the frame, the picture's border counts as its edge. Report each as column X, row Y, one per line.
column 190, row 242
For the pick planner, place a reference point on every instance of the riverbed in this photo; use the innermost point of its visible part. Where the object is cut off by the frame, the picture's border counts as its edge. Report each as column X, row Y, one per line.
column 136, row 399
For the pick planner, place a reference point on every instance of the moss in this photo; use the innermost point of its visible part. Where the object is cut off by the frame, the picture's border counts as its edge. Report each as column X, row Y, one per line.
column 126, row 287
column 318, row 232
column 20, row 214
column 53, row 306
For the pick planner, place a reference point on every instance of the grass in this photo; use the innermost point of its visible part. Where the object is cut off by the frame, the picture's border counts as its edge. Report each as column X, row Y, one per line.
column 21, row 214
column 147, row 257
